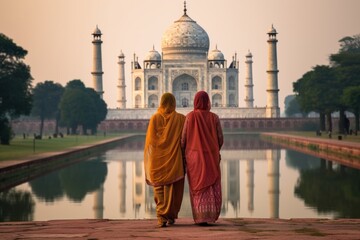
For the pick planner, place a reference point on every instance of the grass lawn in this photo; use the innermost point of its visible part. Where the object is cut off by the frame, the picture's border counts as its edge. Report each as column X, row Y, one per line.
column 349, row 138
column 22, row 148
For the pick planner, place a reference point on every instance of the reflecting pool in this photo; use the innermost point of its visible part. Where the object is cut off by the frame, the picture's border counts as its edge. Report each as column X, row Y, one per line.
column 259, row 180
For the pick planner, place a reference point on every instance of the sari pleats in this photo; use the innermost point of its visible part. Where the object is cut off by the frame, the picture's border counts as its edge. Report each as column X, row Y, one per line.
column 206, row 204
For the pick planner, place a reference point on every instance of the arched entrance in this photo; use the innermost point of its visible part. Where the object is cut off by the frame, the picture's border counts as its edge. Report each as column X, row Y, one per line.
column 184, row 88
column 153, row 101
column 216, row 100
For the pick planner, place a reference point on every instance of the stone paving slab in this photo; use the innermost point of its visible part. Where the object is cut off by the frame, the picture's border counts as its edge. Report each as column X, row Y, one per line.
column 240, row 228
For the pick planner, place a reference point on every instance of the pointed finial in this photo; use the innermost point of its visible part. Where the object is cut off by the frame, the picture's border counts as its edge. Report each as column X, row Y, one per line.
column 216, row 47
column 185, row 8
column 153, row 47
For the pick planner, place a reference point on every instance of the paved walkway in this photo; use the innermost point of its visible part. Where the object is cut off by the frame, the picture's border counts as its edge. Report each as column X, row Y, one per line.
column 330, row 141
column 183, row 229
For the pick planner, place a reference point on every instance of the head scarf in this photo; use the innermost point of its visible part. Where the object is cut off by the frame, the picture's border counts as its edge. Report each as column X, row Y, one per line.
column 162, row 153
column 202, row 101
column 202, row 143
column 167, row 103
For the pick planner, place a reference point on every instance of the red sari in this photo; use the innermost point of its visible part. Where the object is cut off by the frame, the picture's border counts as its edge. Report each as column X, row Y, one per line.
column 201, row 141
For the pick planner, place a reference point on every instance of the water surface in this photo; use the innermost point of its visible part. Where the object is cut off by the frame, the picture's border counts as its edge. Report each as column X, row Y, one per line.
column 259, row 180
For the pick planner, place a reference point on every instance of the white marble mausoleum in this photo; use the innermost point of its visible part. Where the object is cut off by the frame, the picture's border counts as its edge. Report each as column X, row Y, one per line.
column 185, row 66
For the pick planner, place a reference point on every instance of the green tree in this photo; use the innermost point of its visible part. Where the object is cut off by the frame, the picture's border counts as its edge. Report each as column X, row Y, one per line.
column 292, row 106
column 46, row 99
column 15, row 82
column 81, row 106
column 347, row 65
column 97, row 110
column 317, row 91
column 351, row 98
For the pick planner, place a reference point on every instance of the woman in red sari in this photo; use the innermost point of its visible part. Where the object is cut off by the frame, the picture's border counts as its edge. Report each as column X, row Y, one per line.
column 201, row 141
column 163, row 161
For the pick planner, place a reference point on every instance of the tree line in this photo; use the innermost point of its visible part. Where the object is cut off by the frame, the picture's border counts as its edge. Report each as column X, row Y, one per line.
column 331, row 88
column 71, row 106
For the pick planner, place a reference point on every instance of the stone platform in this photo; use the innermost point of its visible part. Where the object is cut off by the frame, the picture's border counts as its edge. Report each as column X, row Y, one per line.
column 183, row 229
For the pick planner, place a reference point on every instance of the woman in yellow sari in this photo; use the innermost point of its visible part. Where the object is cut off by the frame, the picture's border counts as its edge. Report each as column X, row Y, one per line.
column 164, row 167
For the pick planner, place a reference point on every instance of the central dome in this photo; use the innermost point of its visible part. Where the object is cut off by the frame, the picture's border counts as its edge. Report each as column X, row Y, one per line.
column 183, row 39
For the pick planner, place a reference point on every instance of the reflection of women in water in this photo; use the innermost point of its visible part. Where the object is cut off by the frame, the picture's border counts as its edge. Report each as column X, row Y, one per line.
column 346, row 125
column 201, row 141
column 164, row 168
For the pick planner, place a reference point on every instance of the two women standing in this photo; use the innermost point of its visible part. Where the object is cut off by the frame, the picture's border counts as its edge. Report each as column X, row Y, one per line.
column 198, row 140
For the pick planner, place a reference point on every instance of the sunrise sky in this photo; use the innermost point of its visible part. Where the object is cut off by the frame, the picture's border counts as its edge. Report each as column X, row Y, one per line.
column 57, row 35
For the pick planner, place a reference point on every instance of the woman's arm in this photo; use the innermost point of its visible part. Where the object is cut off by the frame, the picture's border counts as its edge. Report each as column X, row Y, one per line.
column 219, row 133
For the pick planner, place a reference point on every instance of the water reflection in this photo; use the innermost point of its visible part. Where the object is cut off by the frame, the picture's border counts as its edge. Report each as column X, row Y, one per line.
column 16, row 205
column 331, row 189
column 234, row 149
column 258, row 180
column 75, row 181
column 325, row 186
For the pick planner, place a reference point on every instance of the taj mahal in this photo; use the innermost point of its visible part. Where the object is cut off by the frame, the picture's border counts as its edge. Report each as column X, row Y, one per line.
column 184, row 67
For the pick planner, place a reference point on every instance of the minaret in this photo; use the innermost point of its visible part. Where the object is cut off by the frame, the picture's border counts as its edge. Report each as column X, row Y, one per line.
column 273, row 160
column 97, row 62
column 250, row 183
column 249, row 100
column 272, row 106
column 122, row 86
column 99, row 203
column 122, row 187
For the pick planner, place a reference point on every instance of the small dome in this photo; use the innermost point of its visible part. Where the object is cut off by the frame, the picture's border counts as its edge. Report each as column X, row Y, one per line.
column 249, row 55
column 121, row 55
column 153, row 55
column 272, row 30
column 216, row 55
column 97, row 31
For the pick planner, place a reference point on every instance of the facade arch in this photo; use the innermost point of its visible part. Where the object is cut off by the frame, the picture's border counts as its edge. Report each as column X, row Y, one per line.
column 185, row 102
column 153, row 101
column 153, row 83
column 137, row 84
column 216, row 83
column 287, row 124
column 231, row 83
column 232, row 102
column 137, row 101
column 217, row 100
column 184, row 88
column 278, row 124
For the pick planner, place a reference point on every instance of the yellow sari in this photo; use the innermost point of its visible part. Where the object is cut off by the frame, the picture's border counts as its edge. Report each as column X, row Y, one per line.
column 163, row 161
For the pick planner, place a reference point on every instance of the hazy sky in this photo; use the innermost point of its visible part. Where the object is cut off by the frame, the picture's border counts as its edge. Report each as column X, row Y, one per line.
column 57, row 35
